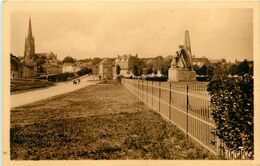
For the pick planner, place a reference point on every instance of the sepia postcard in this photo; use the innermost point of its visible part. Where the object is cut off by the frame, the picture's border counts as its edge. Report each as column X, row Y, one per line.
column 131, row 83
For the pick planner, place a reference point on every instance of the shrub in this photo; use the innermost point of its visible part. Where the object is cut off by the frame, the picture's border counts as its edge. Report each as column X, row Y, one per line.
column 84, row 71
column 232, row 110
column 160, row 79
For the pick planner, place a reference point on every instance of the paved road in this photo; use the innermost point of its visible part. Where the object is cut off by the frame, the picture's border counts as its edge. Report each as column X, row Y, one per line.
column 60, row 88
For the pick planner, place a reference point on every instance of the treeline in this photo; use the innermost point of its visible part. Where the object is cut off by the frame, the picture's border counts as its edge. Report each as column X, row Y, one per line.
column 238, row 68
column 140, row 66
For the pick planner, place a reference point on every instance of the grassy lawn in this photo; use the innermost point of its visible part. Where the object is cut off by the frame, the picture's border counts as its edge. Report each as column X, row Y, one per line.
column 98, row 122
column 24, row 86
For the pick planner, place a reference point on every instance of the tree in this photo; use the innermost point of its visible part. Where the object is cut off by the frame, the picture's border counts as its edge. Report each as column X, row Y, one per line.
column 233, row 69
column 84, row 71
column 233, row 110
column 96, row 61
column 243, row 68
column 133, row 60
column 165, row 65
column 210, row 71
column 69, row 59
column 155, row 71
column 135, row 70
column 41, row 60
column 148, row 71
column 203, row 70
column 118, row 69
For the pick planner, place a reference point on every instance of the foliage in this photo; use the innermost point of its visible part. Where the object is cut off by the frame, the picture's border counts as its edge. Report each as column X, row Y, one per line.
column 133, row 60
column 27, row 85
column 136, row 65
column 69, row 59
column 202, row 70
column 160, row 79
column 232, row 110
column 40, row 61
column 243, row 68
column 60, row 77
column 118, row 69
column 148, row 70
column 84, row 71
column 96, row 61
column 135, row 70
column 165, row 65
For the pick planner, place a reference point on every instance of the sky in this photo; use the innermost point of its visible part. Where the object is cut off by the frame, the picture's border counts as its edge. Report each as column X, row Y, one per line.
column 148, row 29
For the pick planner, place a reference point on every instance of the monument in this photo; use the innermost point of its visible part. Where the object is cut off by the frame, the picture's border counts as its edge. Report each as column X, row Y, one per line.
column 181, row 66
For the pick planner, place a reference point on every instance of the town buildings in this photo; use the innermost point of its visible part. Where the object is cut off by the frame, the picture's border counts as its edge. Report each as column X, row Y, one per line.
column 123, row 63
column 105, row 70
column 32, row 64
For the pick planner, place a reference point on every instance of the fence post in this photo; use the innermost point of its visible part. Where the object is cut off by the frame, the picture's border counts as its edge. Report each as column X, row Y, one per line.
column 142, row 91
column 187, row 110
column 170, row 102
column 147, row 93
column 159, row 96
column 152, row 95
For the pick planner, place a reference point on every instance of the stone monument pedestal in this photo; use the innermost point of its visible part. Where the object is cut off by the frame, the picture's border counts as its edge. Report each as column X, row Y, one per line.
column 181, row 74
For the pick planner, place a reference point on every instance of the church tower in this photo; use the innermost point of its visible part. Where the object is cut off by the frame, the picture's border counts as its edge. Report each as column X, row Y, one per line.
column 29, row 50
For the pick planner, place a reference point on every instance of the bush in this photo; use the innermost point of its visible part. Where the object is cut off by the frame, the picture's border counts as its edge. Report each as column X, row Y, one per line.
column 84, row 71
column 160, row 79
column 232, row 110
column 61, row 77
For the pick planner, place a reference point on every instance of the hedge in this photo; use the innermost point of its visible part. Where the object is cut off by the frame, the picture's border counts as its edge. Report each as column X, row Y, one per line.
column 233, row 111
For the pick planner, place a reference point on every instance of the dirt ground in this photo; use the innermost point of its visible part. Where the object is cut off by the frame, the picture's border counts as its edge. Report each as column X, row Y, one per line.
column 102, row 121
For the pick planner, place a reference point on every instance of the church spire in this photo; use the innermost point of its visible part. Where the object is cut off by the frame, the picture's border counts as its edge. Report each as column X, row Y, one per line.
column 29, row 50
column 29, row 34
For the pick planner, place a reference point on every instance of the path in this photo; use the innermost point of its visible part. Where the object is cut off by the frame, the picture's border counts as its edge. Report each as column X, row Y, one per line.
column 60, row 88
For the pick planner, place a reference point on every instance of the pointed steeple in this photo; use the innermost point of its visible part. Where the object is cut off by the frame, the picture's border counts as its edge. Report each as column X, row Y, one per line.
column 29, row 49
column 29, row 34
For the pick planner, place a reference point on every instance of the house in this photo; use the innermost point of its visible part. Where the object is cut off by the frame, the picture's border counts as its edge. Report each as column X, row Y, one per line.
column 105, row 69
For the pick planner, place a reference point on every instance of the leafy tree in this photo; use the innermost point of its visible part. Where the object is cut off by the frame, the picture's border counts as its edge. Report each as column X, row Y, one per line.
column 96, row 61
column 133, row 60
column 233, row 69
column 165, row 65
column 84, row 71
column 233, row 110
column 41, row 60
column 196, row 68
column 135, row 70
column 210, row 71
column 69, row 59
column 243, row 68
column 155, row 71
column 149, row 71
column 136, row 65
column 118, row 69
column 202, row 70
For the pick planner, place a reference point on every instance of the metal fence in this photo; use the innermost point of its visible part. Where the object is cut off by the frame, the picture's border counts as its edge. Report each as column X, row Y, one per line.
column 187, row 105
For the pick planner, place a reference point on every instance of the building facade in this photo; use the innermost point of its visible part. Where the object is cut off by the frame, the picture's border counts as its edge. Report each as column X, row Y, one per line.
column 200, row 61
column 122, row 61
column 71, row 67
column 105, row 69
column 16, row 67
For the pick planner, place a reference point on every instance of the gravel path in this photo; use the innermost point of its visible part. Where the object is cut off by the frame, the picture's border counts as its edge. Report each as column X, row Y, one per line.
column 36, row 95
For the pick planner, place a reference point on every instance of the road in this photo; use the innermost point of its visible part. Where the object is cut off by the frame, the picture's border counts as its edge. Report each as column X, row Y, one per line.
column 60, row 88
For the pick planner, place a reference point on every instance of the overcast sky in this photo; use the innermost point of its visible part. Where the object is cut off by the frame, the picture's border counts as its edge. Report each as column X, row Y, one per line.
column 148, row 29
